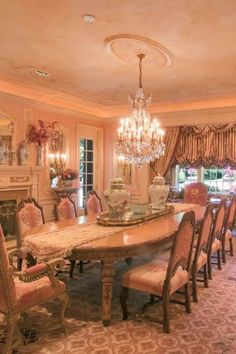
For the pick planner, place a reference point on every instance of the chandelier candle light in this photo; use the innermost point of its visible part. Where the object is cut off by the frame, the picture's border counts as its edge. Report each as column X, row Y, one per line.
column 140, row 139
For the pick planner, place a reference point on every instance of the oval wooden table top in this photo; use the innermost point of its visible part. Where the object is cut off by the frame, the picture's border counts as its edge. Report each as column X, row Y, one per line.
column 134, row 241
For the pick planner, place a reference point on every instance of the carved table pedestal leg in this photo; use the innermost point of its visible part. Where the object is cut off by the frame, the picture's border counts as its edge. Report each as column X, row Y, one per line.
column 107, row 277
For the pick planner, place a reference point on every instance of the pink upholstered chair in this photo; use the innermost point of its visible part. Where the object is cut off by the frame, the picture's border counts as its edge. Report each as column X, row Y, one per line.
column 65, row 208
column 216, row 237
column 227, row 229
column 19, row 291
column 28, row 214
column 93, row 204
column 196, row 193
column 201, row 250
column 161, row 278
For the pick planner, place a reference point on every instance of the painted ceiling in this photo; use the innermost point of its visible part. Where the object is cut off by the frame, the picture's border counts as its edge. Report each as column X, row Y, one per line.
column 190, row 49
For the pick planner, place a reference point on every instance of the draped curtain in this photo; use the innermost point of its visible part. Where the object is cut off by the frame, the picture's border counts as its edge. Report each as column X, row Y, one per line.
column 207, row 145
column 163, row 164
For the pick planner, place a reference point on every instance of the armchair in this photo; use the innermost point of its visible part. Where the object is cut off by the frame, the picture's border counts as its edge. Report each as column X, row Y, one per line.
column 196, row 192
column 19, row 291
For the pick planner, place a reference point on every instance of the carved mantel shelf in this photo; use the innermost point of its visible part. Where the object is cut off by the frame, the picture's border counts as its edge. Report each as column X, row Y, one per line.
column 13, row 178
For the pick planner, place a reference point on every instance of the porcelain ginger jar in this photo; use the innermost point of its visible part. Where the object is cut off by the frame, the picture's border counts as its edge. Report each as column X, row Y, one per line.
column 116, row 198
column 158, row 192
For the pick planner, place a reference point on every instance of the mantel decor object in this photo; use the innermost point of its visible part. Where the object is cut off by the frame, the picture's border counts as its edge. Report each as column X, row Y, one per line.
column 116, row 198
column 40, row 136
column 158, row 192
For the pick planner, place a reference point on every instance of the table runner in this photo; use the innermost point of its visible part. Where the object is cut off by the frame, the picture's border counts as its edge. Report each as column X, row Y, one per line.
column 60, row 243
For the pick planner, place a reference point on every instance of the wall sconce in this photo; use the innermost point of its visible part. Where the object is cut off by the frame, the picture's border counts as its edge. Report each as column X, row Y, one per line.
column 57, row 161
column 122, row 163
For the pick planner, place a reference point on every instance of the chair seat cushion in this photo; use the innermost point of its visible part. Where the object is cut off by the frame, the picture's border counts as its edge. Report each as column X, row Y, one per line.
column 216, row 245
column 150, row 278
column 228, row 234
column 39, row 291
column 202, row 260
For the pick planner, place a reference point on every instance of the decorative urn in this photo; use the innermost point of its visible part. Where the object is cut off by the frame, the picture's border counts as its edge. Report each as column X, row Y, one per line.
column 158, row 192
column 116, row 198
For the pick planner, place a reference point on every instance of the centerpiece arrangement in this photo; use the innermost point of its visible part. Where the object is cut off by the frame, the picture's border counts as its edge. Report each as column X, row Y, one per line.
column 40, row 136
column 67, row 177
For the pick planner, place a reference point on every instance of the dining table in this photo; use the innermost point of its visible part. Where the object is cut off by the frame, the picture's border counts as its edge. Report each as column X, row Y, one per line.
column 83, row 239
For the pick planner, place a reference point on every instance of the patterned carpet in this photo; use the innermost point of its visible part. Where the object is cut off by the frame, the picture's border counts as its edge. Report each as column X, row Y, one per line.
column 210, row 328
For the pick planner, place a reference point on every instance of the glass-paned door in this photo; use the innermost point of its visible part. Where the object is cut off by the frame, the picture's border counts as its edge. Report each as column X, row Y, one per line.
column 86, row 169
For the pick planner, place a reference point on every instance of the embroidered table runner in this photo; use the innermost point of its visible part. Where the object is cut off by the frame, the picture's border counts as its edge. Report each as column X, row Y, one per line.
column 60, row 243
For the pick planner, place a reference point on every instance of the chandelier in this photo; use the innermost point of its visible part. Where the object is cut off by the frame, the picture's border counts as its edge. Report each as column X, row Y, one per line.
column 140, row 139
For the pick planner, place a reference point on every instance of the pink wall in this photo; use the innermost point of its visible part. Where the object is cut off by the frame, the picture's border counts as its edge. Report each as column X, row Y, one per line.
column 26, row 112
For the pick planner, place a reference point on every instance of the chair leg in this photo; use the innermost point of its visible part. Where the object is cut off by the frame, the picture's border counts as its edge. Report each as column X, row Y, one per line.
column 19, row 264
column 209, row 267
column 12, row 323
column 231, row 247
column 81, row 266
column 194, row 284
column 123, row 299
column 205, row 276
column 64, row 302
column 223, row 251
column 72, row 267
column 219, row 260
column 187, row 298
column 166, row 321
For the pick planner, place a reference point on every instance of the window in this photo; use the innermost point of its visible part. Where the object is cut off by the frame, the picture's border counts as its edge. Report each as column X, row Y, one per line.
column 86, row 169
column 186, row 175
column 218, row 179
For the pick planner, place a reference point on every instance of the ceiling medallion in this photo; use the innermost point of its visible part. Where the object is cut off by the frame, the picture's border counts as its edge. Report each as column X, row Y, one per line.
column 140, row 140
column 126, row 46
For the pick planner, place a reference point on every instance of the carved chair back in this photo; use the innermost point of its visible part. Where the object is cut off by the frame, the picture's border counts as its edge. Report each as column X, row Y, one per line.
column 7, row 285
column 219, row 221
column 65, row 208
column 181, row 251
column 93, row 204
column 28, row 214
column 205, row 232
column 196, row 192
column 230, row 215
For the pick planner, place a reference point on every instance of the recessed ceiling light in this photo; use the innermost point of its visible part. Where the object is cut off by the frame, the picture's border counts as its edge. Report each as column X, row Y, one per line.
column 41, row 73
column 88, row 18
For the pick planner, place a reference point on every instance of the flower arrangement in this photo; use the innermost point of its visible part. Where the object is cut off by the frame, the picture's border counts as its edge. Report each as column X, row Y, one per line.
column 69, row 174
column 42, row 134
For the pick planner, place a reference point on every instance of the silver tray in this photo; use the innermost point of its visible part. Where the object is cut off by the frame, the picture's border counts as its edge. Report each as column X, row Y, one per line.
column 135, row 214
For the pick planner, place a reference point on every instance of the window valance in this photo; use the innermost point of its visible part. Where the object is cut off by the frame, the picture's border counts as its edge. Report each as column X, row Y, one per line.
column 207, row 145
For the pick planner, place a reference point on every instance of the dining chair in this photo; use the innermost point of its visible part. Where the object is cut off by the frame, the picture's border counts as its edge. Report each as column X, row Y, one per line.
column 28, row 214
column 196, row 192
column 20, row 291
column 93, row 204
column 227, row 229
column 201, row 250
column 215, row 245
column 162, row 279
column 65, row 209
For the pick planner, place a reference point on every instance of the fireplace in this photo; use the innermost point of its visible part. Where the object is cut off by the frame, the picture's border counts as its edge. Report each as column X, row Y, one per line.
column 16, row 182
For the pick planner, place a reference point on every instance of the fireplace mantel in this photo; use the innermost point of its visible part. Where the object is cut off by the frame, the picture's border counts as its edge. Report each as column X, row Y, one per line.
column 13, row 178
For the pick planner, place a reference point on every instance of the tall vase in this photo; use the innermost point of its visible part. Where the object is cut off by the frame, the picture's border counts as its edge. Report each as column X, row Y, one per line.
column 39, row 155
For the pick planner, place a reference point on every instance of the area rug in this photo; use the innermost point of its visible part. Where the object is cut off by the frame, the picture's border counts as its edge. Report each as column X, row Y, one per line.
column 209, row 329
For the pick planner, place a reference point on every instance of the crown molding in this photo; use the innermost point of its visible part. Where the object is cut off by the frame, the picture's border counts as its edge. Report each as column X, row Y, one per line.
column 73, row 103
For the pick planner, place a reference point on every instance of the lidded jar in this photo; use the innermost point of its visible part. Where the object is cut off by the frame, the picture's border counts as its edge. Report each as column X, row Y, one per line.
column 158, row 192
column 116, row 198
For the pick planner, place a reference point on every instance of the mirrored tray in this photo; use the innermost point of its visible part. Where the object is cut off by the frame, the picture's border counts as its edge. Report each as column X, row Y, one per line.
column 135, row 214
